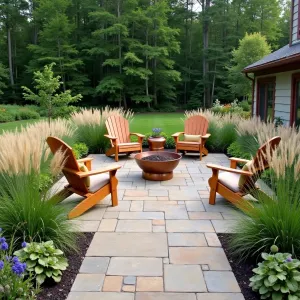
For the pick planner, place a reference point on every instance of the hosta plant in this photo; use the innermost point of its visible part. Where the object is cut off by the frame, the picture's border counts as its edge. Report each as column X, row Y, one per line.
column 277, row 277
column 43, row 260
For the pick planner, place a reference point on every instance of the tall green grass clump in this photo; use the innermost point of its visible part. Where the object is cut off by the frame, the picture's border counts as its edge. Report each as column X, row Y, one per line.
column 28, row 215
column 274, row 219
column 91, row 126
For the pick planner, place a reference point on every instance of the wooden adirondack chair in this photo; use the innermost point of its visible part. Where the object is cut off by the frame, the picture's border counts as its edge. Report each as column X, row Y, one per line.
column 101, row 183
column 119, row 135
column 196, row 126
column 233, row 183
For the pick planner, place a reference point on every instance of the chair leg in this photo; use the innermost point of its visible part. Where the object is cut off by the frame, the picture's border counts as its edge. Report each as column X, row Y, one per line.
column 213, row 182
column 200, row 152
column 116, row 155
column 113, row 187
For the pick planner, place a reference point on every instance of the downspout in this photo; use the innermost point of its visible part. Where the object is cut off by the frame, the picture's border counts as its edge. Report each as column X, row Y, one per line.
column 253, row 84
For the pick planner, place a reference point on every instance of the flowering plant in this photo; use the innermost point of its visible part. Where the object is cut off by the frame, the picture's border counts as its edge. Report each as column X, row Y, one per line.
column 13, row 285
column 43, row 260
column 156, row 132
column 277, row 277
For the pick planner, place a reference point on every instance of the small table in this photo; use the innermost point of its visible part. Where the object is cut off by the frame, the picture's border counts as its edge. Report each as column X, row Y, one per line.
column 156, row 143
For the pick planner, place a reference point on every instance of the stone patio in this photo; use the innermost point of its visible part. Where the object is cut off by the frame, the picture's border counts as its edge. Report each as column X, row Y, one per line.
column 160, row 242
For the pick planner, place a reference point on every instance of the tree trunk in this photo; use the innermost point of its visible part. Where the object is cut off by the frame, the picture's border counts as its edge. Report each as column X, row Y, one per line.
column 154, row 67
column 147, row 67
column 10, row 63
column 205, row 65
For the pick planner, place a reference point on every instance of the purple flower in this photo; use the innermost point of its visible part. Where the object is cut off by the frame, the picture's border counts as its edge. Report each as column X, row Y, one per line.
column 4, row 246
column 15, row 259
column 1, row 264
column 24, row 244
column 289, row 259
column 2, row 239
column 19, row 268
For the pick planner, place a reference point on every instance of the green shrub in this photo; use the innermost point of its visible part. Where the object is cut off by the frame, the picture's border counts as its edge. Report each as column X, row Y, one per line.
column 45, row 181
column 5, row 116
column 245, row 105
column 13, row 283
column 277, row 277
column 167, row 107
column 43, row 260
column 27, row 213
column 234, row 150
column 170, row 143
column 80, row 150
column 25, row 113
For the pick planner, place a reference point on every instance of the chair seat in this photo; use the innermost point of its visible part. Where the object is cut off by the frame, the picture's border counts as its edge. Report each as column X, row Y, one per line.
column 128, row 144
column 230, row 180
column 98, row 181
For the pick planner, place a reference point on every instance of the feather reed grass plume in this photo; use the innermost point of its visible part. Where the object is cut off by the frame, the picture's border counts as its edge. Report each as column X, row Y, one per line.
column 27, row 149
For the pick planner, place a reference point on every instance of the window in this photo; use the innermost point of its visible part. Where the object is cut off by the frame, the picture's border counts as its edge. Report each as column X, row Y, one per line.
column 295, row 101
column 266, row 98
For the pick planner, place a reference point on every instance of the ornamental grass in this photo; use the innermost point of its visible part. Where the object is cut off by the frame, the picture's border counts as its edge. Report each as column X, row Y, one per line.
column 91, row 128
column 274, row 219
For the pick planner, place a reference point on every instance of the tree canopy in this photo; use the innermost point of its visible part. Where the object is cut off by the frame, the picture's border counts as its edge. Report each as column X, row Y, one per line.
column 136, row 53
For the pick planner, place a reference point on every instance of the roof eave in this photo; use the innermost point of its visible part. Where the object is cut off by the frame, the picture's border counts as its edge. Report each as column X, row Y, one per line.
column 276, row 63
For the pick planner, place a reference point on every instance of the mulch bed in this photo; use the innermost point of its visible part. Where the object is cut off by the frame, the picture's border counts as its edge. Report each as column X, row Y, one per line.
column 158, row 158
column 60, row 291
column 241, row 270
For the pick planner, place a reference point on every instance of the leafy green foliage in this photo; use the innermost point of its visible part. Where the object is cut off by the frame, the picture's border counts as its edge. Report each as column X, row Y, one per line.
column 27, row 214
column 47, row 96
column 251, row 49
column 5, row 116
column 80, row 150
column 43, row 260
column 3, row 78
column 234, row 150
column 277, row 277
column 170, row 143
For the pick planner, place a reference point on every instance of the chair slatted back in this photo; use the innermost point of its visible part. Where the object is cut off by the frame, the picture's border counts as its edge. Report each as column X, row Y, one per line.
column 56, row 144
column 260, row 162
column 118, row 127
column 196, row 125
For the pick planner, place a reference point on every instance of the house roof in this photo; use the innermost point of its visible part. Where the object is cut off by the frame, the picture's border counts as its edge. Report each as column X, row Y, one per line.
column 286, row 54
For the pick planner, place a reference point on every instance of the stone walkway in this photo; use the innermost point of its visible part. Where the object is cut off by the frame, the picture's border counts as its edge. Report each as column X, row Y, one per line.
column 160, row 242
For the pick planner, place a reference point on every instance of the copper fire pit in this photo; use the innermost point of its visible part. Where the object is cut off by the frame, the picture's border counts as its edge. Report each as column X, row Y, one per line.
column 158, row 170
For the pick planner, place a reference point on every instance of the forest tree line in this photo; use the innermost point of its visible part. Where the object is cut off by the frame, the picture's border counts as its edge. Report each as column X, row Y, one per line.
column 146, row 53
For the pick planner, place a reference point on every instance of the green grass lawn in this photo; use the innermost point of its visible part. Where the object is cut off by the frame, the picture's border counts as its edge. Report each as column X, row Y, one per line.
column 142, row 123
column 168, row 122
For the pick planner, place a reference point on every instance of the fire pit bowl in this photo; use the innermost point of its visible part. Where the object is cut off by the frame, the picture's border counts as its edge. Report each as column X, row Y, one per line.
column 157, row 165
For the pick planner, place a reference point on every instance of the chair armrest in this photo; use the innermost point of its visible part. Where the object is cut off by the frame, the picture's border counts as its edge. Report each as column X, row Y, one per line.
column 242, row 160
column 138, row 134
column 177, row 134
column 236, row 171
column 110, row 137
column 94, row 172
column 206, row 136
column 86, row 159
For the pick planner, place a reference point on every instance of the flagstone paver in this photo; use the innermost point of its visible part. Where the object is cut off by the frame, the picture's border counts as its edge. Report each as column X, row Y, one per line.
column 94, row 265
column 221, row 282
column 135, row 266
column 129, row 244
column 183, row 278
column 160, row 242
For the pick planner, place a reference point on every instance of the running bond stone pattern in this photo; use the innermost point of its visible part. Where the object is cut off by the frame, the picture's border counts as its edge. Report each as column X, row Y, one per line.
column 160, row 242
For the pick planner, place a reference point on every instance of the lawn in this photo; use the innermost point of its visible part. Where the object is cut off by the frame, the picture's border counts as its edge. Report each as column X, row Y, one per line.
column 142, row 123
column 15, row 125
column 169, row 122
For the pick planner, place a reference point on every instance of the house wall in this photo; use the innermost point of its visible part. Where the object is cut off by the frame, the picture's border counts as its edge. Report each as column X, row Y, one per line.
column 283, row 95
column 295, row 16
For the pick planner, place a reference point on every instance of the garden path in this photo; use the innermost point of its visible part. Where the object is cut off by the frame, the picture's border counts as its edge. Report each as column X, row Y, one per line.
column 160, row 242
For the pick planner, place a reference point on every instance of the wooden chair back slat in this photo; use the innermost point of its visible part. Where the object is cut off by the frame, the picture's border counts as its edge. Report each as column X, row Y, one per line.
column 260, row 162
column 56, row 144
column 196, row 125
column 118, row 127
